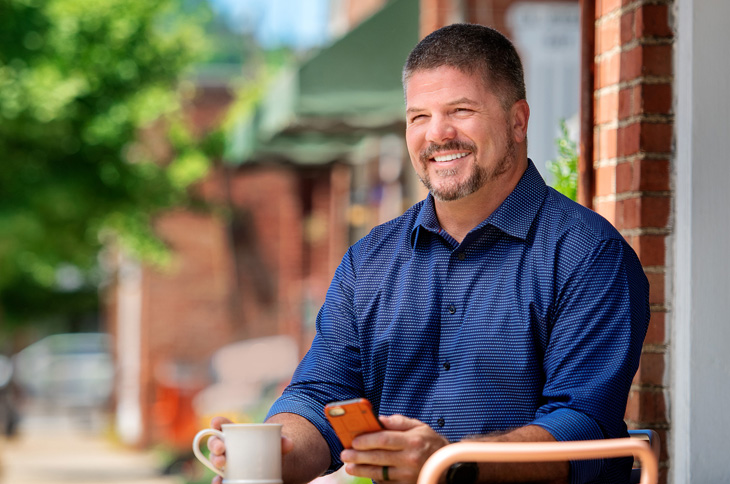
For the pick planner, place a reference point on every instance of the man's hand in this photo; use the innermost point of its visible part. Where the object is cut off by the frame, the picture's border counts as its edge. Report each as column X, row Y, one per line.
column 217, row 447
column 403, row 447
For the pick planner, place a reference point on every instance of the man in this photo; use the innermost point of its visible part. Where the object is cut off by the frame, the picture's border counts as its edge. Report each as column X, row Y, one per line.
column 496, row 309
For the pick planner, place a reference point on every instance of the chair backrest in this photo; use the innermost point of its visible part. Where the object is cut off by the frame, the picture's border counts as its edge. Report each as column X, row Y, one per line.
column 540, row 452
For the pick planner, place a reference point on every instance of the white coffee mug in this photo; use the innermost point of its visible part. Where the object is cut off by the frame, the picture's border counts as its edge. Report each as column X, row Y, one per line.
column 253, row 453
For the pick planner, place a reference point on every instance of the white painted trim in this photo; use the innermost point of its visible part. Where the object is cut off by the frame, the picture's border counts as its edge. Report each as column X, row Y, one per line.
column 129, row 350
column 681, row 337
column 700, row 360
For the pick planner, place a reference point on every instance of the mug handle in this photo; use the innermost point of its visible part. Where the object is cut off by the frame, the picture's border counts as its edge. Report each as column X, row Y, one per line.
column 201, row 457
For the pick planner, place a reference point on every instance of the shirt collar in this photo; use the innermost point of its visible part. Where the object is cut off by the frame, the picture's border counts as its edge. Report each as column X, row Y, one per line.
column 513, row 217
column 426, row 220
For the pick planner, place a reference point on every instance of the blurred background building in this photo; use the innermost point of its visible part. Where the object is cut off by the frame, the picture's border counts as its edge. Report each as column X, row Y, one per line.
column 309, row 155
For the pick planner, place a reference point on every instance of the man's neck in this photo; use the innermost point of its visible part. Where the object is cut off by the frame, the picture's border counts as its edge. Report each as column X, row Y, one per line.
column 459, row 217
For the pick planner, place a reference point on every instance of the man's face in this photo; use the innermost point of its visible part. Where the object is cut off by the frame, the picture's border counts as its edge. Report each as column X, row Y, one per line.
column 459, row 136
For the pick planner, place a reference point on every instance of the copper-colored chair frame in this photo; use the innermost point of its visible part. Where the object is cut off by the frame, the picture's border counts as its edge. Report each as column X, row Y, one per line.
column 541, row 452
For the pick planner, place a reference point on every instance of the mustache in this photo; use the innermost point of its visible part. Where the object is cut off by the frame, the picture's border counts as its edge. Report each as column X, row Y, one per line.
column 433, row 148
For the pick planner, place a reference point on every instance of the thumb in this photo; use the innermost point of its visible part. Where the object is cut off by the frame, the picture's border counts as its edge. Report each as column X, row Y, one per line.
column 399, row 422
column 216, row 422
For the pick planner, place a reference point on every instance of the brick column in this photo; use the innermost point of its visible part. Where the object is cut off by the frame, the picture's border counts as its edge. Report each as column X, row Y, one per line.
column 632, row 149
column 434, row 14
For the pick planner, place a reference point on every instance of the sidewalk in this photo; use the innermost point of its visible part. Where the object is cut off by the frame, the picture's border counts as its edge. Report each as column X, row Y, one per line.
column 52, row 451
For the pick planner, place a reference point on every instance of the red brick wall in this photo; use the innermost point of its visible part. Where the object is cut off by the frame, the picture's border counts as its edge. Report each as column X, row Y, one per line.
column 293, row 236
column 434, row 14
column 632, row 149
column 493, row 13
column 229, row 282
column 271, row 258
column 437, row 13
column 185, row 318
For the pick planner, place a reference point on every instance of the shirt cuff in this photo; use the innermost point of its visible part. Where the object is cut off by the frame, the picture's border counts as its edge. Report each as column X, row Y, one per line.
column 316, row 418
column 566, row 424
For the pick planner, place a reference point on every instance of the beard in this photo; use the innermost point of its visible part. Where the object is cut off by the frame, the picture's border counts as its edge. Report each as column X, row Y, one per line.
column 450, row 190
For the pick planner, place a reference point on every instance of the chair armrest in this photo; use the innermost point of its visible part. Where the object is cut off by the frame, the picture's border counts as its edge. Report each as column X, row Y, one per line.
column 649, row 436
column 539, row 452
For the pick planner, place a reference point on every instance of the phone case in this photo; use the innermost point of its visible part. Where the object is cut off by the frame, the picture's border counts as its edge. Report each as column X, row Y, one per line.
column 350, row 418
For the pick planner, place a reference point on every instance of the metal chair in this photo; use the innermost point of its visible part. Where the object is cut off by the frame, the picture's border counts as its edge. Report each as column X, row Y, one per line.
column 651, row 438
column 643, row 445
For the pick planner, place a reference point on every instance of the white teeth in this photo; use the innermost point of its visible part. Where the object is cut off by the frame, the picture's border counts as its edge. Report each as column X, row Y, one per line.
column 450, row 157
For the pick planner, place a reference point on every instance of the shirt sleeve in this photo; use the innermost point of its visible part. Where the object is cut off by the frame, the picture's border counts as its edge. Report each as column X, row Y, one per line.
column 599, row 323
column 331, row 369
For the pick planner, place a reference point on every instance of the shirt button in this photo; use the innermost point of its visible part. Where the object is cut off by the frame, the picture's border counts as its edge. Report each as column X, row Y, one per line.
column 452, row 309
column 447, row 365
column 461, row 256
column 441, row 422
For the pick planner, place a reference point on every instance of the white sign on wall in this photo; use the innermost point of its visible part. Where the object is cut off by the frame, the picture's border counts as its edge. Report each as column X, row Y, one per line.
column 547, row 35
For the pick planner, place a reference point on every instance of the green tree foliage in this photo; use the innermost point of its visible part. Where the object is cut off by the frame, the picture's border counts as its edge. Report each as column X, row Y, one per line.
column 80, row 83
column 564, row 169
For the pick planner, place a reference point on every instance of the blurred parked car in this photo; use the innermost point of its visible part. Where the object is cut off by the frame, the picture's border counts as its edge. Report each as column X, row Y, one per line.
column 8, row 410
column 72, row 370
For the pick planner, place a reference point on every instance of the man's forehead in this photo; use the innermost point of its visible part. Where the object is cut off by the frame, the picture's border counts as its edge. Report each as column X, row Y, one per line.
column 442, row 68
column 475, row 73
column 426, row 82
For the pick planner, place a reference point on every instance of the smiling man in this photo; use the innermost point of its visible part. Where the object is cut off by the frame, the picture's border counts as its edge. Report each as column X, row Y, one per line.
column 466, row 148
column 495, row 309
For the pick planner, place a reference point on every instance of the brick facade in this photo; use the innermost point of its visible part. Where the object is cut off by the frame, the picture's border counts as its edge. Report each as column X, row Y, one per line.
column 633, row 138
column 245, row 274
column 264, row 247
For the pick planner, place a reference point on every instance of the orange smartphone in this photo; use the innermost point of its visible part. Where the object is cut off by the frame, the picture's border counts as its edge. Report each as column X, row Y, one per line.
column 351, row 418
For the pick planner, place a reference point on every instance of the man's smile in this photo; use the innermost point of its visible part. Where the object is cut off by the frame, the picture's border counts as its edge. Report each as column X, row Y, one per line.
column 449, row 151
column 450, row 157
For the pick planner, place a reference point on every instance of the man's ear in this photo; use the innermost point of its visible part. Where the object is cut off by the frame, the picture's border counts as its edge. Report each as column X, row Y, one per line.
column 519, row 117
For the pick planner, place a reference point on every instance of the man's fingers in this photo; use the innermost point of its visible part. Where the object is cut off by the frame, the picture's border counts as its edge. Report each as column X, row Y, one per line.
column 217, row 452
column 394, row 437
column 219, row 461
column 216, row 422
column 399, row 422
column 370, row 457
column 383, row 439
column 402, row 447
column 216, row 446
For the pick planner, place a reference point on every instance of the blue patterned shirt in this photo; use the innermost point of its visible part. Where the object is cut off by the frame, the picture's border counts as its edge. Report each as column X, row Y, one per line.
column 536, row 317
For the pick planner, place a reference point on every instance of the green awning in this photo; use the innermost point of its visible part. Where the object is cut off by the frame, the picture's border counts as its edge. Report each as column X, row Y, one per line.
column 348, row 90
column 360, row 75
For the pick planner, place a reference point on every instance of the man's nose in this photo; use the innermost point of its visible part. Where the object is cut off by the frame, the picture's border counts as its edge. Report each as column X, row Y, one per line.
column 440, row 129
